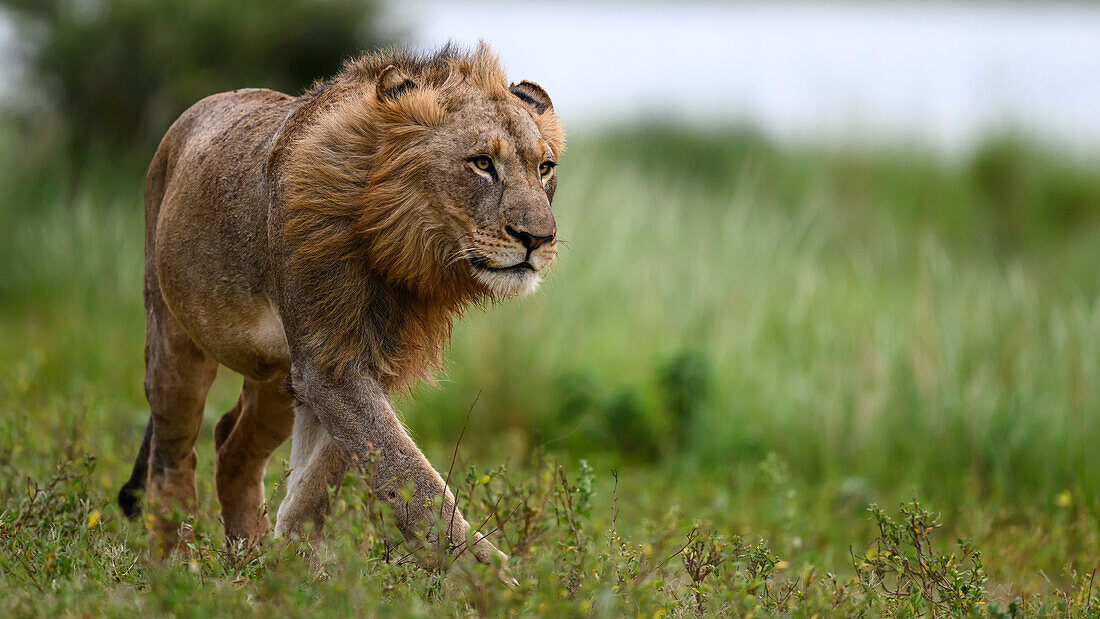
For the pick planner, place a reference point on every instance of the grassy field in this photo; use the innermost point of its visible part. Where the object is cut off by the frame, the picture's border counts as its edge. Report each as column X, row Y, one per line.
column 742, row 347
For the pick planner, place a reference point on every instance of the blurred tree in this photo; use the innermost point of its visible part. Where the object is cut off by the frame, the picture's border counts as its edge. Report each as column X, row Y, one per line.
column 122, row 70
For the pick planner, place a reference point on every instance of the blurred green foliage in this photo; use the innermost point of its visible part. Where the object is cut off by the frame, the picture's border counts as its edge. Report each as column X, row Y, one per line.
column 1007, row 193
column 122, row 70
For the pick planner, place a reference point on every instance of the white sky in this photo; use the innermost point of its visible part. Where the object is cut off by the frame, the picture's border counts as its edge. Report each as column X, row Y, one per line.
column 932, row 71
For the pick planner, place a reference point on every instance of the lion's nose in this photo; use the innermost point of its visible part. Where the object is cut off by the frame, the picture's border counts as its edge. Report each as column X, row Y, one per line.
column 530, row 241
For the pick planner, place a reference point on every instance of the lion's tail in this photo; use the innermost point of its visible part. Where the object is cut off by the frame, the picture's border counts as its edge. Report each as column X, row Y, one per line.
column 129, row 497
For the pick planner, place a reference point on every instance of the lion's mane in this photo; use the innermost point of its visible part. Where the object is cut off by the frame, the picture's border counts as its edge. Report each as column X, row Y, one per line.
column 359, row 241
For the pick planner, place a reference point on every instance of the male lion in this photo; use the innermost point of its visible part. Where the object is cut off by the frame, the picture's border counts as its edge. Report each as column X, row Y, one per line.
column 321, row 245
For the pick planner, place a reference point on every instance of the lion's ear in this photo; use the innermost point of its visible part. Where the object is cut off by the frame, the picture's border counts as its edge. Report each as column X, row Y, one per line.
column 532, row 94
column 391, row 83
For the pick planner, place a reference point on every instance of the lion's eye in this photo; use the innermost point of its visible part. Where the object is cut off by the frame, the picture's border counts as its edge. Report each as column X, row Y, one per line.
column 545, row 167
column 482, row 163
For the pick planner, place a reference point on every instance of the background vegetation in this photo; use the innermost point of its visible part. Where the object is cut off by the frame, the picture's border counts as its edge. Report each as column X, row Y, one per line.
column 741, row 348
column 120, row 71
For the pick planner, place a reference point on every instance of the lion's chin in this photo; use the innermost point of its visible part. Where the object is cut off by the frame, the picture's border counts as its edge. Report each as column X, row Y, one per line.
column 508, row 283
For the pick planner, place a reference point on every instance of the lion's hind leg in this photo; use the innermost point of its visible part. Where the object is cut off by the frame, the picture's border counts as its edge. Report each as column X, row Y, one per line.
column 178, row 375
column 129, row 496
column 245, row 438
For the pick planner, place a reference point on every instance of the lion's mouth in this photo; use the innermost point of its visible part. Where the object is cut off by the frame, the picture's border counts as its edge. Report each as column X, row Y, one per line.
column 480, row 263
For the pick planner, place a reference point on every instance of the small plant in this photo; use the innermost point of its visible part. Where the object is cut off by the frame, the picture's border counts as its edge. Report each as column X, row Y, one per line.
column 571, row 500
column 702, row 558
column 586, row 477
column 904, row 566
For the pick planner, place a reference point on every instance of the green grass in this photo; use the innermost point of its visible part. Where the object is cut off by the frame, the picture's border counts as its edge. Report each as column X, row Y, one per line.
column 760, row 340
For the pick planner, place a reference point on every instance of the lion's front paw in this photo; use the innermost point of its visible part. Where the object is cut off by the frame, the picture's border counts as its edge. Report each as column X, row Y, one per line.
column 486, row 552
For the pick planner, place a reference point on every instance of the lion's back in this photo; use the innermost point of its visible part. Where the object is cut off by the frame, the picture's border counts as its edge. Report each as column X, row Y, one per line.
column 219, row 128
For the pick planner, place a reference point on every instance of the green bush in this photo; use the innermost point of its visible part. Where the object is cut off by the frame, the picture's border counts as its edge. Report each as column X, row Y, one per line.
column 122, row 70
column 684, row 382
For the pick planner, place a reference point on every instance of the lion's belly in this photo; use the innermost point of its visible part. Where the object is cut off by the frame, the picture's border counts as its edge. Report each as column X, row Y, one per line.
column 244, row 334
column 253, row 344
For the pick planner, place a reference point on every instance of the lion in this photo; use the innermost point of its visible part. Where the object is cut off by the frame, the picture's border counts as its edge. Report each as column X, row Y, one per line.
column 321, row 246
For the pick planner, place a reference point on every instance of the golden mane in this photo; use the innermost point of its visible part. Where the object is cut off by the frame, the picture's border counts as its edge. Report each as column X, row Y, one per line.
column 360, row 245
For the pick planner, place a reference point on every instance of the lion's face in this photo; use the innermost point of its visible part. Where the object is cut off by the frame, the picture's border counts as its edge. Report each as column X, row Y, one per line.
column 499, row 174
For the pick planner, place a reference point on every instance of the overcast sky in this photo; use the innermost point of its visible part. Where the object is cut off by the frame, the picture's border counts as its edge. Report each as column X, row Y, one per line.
column 939, row 72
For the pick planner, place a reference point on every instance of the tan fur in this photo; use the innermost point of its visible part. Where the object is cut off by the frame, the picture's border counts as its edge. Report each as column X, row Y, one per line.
column 326, row 242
